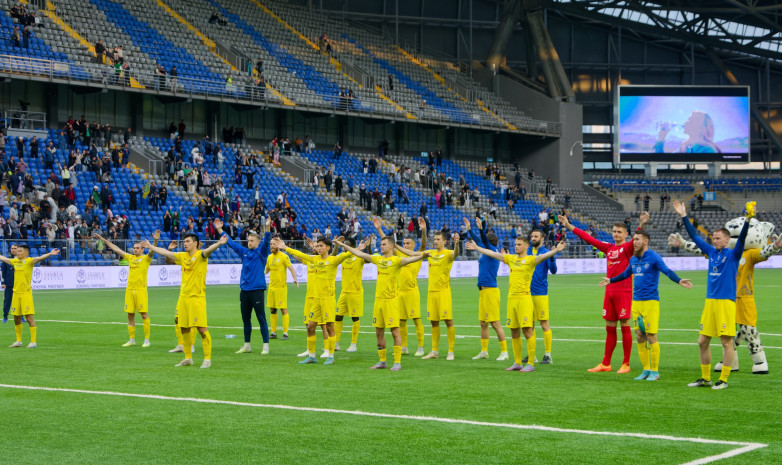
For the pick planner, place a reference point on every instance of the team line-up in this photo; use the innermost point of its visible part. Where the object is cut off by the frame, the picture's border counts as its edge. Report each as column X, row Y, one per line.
column 397, row 297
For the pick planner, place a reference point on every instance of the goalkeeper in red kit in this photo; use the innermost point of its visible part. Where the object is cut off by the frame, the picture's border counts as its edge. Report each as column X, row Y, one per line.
column 618, row 296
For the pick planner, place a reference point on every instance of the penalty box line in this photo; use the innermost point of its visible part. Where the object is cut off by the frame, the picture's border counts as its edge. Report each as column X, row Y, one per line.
column 745, row 446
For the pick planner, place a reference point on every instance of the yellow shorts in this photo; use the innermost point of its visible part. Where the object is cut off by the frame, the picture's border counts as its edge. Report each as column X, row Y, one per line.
column 277, row 298
column 718, row 318
column 409, row 304
column 746, row 311
column 386, row 313
column 136, row 300
column 307, row 306
column 439, row 306
column 489, row 304
column 322, row 310
column 191, row 312
column 351, row 304
column 540, row 306
column 649, row 310
column 520, row 312
column 22, row 304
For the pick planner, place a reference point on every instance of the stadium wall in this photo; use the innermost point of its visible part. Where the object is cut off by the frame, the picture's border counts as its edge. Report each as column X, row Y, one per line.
column 106, row 277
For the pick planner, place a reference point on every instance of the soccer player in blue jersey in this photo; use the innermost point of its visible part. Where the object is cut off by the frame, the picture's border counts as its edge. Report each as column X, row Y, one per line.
column 718, row 318
column 539, row 291
column 252, row 282
column 489, row 293
column 645, row 268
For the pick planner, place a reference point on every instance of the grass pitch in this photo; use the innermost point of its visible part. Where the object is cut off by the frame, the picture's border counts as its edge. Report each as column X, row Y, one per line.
column 80, row 333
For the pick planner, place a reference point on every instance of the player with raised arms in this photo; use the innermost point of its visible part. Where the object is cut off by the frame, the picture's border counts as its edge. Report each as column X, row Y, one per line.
column 520, row 306
column 488, row 292
column 136, row 295
column 386, row 307
column 645, row 267
column 22, row 303
column 277, row 266
column 618, row 296
column 718, row 318
column 191, row 307
column 539, row 291
column 323, row 309
column 351, row 297
column 409, row 295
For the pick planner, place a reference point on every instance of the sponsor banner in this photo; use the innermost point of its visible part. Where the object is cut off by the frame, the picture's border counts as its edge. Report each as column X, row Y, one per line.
column 100, row 277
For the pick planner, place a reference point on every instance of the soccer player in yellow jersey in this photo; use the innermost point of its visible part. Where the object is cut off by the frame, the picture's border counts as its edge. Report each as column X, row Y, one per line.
column 22, row 303
column 351, row 298
column 177, row 330
column 386, row 307
column 520, row 306
column 309, row 298
column 438, row 303
column 323, row 309
column 136, row 298
column 191, row 308
column 409, row 296
column 276, row 266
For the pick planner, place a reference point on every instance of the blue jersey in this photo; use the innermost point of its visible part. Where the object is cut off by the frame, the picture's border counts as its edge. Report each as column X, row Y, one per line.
column 253, row 276
column 646, row 275
column 723, row 264
column 487, row 266
column 539, row 284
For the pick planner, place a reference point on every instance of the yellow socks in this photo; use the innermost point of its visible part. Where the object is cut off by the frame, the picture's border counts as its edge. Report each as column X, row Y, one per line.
column 723, row 375
column 146, row 328
column 356, row 329
column 34, row 336
column 516, row 341
column 332, row 344
column 419, row 332
column 311, row 341
column 504, row 346
column 206, row 340
column 435, row 338
column 643, row 354
column 338, row 329
column 451, row 332
column 655, row 350
column 397, row 354
column 187, row 338
column 547, row 338
column 706, row 372
column 286, row 322
column 403, row 332
column 178, row 332
column 484, row 345
column 531, row 345
column 18, row 329
column 382, row 354
column 132, row 331
column 273, row 322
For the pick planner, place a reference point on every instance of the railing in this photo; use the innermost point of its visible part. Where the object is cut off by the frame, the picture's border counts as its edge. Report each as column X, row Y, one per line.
column 105, row 76
column 24, row 119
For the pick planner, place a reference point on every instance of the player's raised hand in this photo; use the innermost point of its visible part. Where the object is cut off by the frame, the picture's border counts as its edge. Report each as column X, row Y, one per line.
column 145, row 243
column 560, row 246
column 223, row 239
column 675, row 240
column 218, row 223
column 340, row 238
column 55, row 252
column 376, row 223
column 470, row 245
column 478, row 222
column 466, row 223
column 422, row 223
column 605, row 282
column 686, row 283
column 679, row 208
column 563, row 220
column 455, row 237
column 156, row 236
column 172, row 245
column 644, row 217
column 268, row 223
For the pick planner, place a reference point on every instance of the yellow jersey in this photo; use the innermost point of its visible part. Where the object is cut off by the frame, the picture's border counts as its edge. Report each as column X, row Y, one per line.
column 310, row 280
column 137, row 270
column 408, row 278
column 193, row 274
column 521, row 269
column 745, row 279
column 440, row 263
column 278, row 264
column 352, row 272
column 388, row 270
column 325, row 271
column 23, row 274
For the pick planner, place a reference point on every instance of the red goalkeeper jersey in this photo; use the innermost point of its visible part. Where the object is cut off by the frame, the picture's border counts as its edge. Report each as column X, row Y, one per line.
column 618, row 257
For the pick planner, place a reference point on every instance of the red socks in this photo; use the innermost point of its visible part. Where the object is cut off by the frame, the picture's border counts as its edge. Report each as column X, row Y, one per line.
column 627, row 343
column 610, row 344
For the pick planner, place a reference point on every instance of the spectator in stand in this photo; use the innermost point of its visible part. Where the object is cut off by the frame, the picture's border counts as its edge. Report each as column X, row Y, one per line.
column 337, row 151
column 26, row 36
column 172, row 81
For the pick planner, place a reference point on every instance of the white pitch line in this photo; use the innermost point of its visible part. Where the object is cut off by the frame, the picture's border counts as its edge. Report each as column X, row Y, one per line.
column 746, row 446
column 458, row 336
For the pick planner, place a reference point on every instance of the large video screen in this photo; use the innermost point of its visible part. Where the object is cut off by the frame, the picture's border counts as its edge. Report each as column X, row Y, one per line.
column 683, row 124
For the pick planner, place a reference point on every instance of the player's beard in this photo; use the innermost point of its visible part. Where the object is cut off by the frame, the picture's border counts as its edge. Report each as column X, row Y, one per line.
column 638, row 253
column 534, row 244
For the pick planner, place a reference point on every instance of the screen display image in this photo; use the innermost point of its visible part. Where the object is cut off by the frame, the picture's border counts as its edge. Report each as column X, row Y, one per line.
column 683, row 124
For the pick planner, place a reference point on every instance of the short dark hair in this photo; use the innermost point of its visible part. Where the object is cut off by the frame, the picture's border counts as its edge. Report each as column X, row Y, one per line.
column 193, row 237
column 325, row 240
column 643, row 233
column 723, row 231
column 493, row 239
column 390, row 240
column 620, row 225
column 537, row 230
column 24, row 246
column 441, row 234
